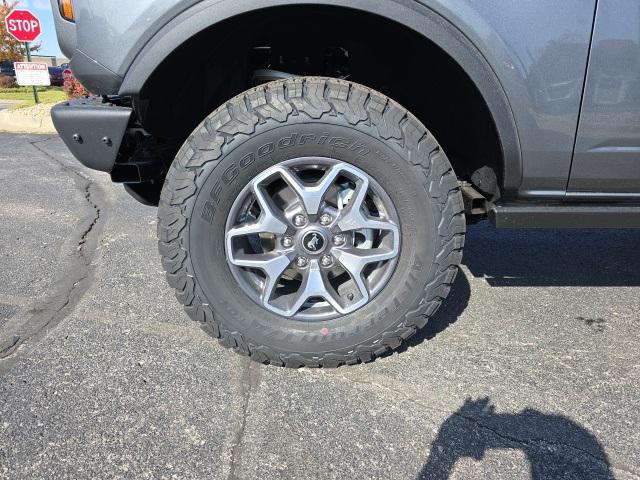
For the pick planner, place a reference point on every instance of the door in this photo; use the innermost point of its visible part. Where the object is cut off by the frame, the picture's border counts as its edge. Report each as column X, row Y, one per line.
column 607, row 153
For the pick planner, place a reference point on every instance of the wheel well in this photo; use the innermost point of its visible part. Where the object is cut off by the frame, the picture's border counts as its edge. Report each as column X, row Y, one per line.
column 222, row 61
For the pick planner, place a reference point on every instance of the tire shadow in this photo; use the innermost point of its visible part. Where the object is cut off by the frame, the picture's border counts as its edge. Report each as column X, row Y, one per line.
column 446, row 315
column 555, row 446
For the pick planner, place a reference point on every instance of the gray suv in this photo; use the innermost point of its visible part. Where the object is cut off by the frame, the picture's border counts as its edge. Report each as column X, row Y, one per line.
column 316, row 162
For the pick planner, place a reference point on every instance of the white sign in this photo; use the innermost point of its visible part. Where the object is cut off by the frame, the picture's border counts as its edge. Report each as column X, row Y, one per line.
column 32, row 73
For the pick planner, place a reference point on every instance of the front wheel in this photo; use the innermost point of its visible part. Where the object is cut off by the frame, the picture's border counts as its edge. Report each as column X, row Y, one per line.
column 311, row 222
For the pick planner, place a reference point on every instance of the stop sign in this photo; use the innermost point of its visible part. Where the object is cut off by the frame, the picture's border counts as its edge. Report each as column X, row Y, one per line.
column 23, row 25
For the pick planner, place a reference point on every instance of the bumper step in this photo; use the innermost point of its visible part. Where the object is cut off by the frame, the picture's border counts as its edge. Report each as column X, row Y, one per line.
column 92, row 130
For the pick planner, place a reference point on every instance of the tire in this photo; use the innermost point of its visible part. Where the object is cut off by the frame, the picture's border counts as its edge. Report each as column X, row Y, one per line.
column 340, row 120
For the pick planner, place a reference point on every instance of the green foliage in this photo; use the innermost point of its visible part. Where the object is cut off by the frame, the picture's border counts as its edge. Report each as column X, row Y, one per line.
column 46, row 94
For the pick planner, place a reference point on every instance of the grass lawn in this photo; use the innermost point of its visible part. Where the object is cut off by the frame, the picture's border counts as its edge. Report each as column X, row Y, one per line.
column 46, row 94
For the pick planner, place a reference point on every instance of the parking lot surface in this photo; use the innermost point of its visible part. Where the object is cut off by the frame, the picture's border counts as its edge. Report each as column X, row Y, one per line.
column 531, row 370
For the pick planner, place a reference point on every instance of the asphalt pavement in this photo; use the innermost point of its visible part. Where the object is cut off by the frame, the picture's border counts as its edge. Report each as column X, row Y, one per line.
column 531, row 370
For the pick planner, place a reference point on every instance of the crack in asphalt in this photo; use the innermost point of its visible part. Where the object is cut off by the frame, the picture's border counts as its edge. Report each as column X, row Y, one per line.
column 540, row 443
column 249, row 381
column 76, row 273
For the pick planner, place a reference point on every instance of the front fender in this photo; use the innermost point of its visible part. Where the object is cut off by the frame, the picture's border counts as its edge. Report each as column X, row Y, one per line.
column 526, row 58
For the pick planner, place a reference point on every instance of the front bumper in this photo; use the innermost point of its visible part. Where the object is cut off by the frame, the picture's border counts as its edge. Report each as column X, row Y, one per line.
column 93, row 130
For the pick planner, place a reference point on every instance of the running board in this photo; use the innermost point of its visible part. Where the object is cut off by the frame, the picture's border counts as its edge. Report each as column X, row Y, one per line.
column 519, row 215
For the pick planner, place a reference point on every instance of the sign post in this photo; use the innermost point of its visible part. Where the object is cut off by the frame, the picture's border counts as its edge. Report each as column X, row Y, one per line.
column 35, row 90
column 24, row 26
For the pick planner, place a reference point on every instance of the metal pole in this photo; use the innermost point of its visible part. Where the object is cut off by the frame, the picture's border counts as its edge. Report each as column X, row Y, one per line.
column 35, row 91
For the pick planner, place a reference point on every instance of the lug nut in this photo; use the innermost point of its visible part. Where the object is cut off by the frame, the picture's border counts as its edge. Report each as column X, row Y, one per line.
column 339, row 240
column 326, row 260
column 299, row 220
column 302, row 262
column 325, row 219
column 287, row 242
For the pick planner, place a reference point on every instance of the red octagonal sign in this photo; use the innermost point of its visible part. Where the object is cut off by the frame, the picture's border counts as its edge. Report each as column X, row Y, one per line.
column 23, row 25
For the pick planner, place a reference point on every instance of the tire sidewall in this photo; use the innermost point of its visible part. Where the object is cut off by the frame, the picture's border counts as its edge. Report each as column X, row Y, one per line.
column 218, row 185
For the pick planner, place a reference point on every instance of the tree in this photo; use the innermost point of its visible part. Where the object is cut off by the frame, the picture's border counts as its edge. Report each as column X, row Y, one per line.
column 11, row 49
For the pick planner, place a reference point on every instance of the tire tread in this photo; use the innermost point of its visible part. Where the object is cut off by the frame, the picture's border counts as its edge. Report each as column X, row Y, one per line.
column 314, row 97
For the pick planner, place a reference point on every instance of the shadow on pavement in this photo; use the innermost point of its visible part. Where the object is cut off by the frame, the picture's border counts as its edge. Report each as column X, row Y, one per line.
column 562, row 257
column 538, row 258
column 555, row 446
column 446, row 315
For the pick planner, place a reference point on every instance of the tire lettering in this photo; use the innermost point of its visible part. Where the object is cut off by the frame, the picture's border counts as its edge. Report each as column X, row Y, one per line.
column 215, row 192
column 233, row 171
column 247, row 160
column 360, row 148
column 417, row 264
column 287, row 142
column 230, row 174
column 338, row 142
column 208, row 212
column 305, row 137
column 266, row 149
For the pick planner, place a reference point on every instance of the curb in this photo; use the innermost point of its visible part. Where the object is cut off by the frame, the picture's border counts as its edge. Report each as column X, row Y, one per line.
column 16, row 122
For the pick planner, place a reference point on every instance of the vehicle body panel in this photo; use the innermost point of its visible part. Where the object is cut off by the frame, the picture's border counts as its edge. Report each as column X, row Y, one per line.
column 539, row 51
column 607, row 153
column 536, row 51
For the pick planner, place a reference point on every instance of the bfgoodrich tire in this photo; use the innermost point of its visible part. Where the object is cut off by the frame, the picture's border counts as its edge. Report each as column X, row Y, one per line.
column 290, row 129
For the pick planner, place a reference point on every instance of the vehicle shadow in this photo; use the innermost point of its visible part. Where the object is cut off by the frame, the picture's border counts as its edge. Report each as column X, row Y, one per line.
column 537, row 258
column 447, row 314
column 559, row 257
column 555, row 446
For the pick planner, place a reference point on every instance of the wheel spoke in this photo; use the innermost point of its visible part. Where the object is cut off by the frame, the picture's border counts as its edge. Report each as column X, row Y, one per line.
column 273, row 264
column 352, row 216
column 270, row 220
column 354, row 260
column 311, row 196
column 314, row 284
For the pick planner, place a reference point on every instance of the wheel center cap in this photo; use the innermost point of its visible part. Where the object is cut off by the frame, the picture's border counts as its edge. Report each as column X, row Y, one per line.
column 313, row 242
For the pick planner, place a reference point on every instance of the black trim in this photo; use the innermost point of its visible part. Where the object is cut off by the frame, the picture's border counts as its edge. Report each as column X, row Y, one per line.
column 92, row 130
column 146, row 193
column 565, row 216
column 584, row 89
